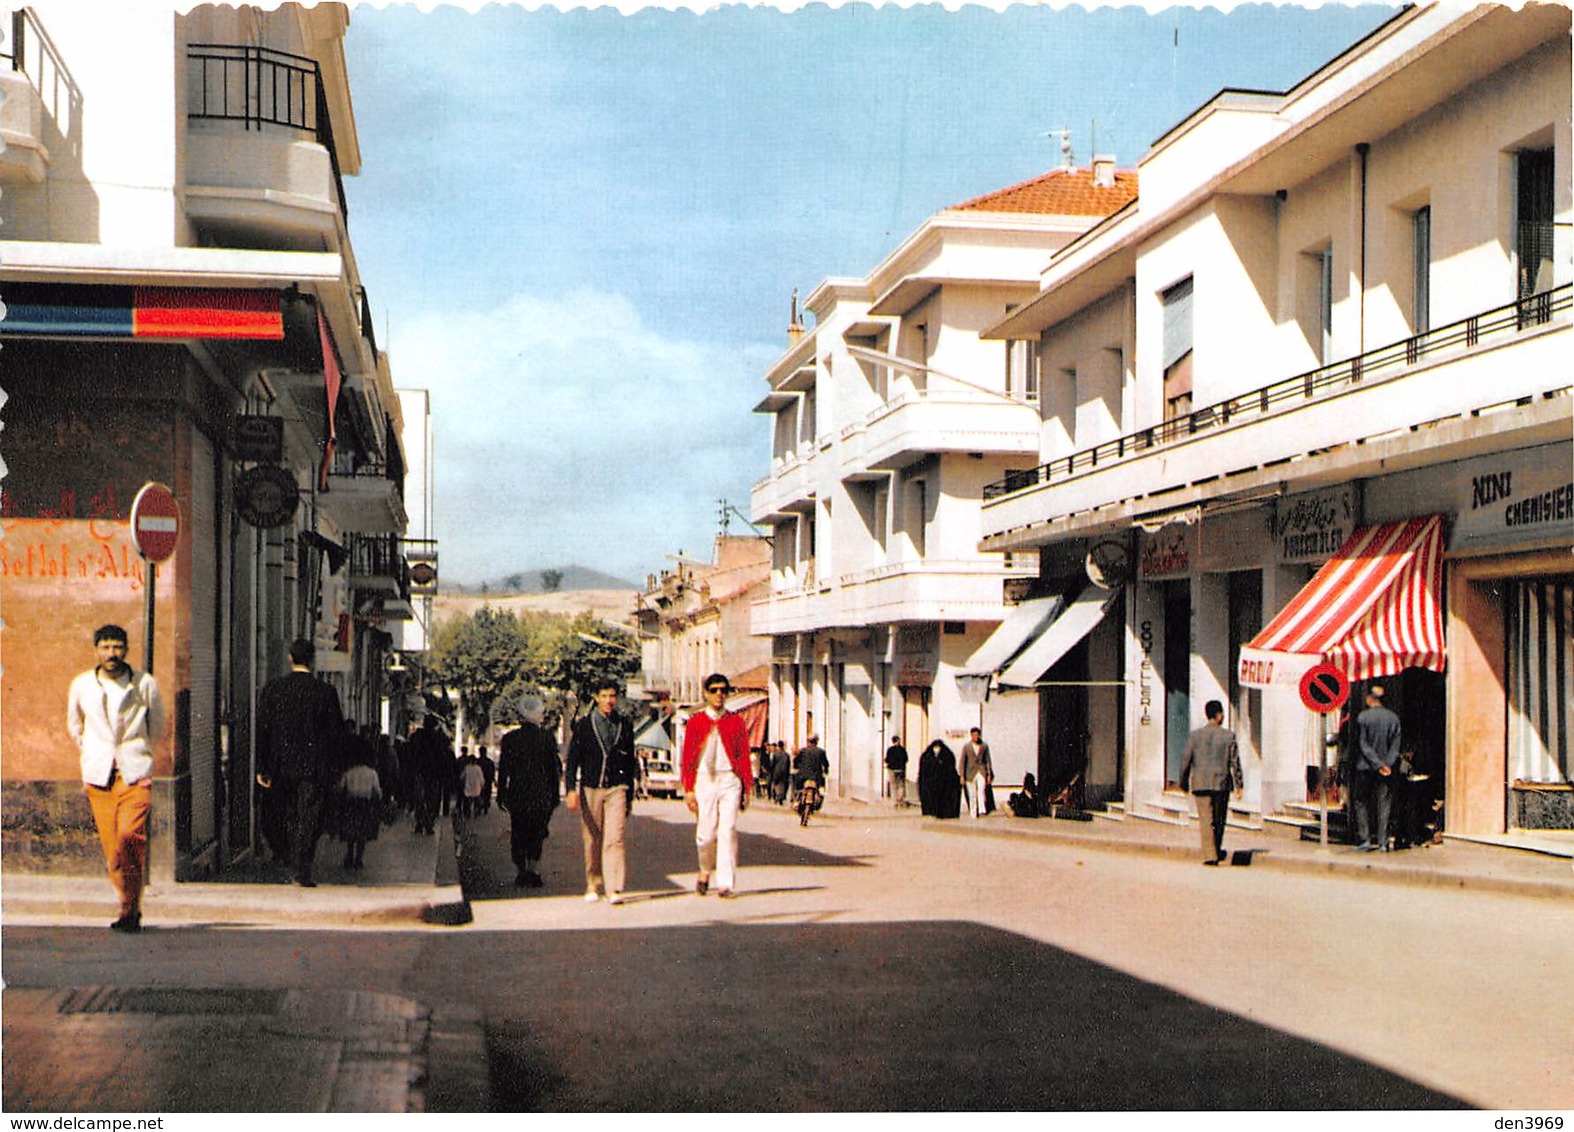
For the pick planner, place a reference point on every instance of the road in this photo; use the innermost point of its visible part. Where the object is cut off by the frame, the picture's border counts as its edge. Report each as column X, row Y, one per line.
column 897, row 964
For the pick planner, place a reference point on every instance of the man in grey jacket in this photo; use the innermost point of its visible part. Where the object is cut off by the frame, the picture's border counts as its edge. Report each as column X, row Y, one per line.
column 1210, row 769
column 1377, row 732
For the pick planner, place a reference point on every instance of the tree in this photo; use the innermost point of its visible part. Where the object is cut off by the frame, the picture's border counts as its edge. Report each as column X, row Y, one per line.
column 479, row 656
column 493, row 657
column 551, row 580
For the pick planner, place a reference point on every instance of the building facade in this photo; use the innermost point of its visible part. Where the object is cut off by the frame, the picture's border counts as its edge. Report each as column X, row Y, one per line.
column 183, row 306
column 694, row 620
column 890, row 416
column 1336, row 310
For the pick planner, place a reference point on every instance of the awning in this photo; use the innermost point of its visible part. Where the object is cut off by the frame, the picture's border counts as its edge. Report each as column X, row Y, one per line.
column 1059, row 637
column 755, row 708
column 653, row 737
column 1021, row 625
column 1374, row 609
column 337, row 554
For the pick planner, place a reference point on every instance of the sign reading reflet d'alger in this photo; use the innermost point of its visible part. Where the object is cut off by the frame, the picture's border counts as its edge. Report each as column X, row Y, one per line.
column 155, row 522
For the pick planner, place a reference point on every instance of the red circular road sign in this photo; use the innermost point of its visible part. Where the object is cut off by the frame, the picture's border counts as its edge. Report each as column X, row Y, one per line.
column 155, row 522
column 1324, row 688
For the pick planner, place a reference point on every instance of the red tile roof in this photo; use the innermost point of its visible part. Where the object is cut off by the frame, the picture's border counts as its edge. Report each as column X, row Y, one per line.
column 1060, row 192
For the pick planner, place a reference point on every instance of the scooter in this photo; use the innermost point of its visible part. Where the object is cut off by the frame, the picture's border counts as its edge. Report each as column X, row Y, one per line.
column 808, row 800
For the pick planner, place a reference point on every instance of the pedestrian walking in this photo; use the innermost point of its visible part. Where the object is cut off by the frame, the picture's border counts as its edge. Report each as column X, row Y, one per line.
column 781, row 772
column 427, row 756
column 598, row 784
column 299, row 732
column 716, row 782
column 1210, row 769
column 896, row 771
column 115, row 715
column 528, row 771
column 360, row 806
column 1377, row 754
column 939, row 787
column 978, row 773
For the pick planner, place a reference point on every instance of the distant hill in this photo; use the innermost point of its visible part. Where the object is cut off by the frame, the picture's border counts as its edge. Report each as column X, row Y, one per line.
column 573, row 579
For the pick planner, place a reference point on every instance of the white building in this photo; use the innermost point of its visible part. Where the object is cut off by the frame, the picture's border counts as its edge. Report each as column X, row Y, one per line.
column 891, row 414
column 1345, row 304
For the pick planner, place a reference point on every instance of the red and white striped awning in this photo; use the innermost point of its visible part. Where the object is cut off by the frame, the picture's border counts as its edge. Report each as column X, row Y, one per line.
column 1374, row 609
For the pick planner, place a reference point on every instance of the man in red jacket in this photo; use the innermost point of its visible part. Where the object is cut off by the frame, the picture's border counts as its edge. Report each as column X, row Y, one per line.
column 717, row 780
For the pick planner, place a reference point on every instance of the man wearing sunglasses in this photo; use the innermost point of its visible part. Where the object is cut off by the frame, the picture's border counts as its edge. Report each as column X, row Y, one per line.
column 717, row 780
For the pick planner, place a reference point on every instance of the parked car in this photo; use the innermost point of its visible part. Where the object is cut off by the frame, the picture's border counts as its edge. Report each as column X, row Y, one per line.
column 662, row 779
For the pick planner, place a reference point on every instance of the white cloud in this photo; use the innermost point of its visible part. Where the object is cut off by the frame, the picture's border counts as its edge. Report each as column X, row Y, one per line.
column 569, row 431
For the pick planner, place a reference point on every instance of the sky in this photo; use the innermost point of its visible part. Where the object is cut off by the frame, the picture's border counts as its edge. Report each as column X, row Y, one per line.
column 581, row 229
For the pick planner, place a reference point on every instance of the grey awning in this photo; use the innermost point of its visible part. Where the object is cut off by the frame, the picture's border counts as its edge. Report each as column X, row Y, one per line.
column 1021, row 625
column 1059, row 637
column 653, row 737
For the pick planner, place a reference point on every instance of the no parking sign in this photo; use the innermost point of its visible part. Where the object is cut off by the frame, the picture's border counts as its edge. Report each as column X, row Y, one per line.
column 1324, row 688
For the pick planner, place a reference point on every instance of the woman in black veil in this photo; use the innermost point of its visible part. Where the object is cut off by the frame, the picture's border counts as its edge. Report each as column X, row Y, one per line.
column 939, row 787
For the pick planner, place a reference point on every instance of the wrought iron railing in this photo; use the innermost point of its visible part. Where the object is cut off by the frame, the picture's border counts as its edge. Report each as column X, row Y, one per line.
column 380, row 556
column 1291, row 393
column 259, row 86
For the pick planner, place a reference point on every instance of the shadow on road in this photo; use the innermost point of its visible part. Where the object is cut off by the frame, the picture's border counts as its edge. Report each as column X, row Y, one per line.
column 732, row 1017
column 656, row 849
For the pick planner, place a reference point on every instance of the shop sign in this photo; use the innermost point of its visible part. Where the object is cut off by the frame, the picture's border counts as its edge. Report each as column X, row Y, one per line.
column 1313, row 526
column 257, row 439
column 1166, row 553
column 1517, row 498
column 914, row 674
column 266, row 495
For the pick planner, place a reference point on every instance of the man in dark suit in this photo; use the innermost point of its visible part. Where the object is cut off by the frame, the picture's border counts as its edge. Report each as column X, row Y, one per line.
column 1210, row 769
column 299, row 729
column 598, row 784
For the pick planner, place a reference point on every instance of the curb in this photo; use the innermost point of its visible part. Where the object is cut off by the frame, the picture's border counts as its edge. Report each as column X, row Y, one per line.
column 1265, row 857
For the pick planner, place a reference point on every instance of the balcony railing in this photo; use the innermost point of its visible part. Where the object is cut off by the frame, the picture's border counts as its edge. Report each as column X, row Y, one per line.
column 259, row 87
column 380, row 556
column 1498, row 324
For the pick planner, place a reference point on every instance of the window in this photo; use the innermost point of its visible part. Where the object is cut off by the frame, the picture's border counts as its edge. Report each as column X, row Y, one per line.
column 807, row 431
column 1177, row 351
column 882, row 513
column 1534, row 238
column 918, row 492
column 1421, row 318
column 1325, row 306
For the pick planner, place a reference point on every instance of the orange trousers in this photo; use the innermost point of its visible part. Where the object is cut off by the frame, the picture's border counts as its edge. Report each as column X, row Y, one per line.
column 121, row 814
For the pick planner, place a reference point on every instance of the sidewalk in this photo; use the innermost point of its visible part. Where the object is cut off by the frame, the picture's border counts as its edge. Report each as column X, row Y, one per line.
column 1540, row 866
column 408, row 879
column 203, row 1049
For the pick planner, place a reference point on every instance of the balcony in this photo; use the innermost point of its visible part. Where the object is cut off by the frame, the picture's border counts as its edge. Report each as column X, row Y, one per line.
column 39, row 102
column 787, row 489
column 363, row 501
column 1455, row 371
column 378, row 565
column 926, row 590
column 933, row 411
column 261, row 165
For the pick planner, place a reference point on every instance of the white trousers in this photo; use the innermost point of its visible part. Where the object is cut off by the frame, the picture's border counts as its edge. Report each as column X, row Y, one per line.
column 976, row 800
column 716, row 831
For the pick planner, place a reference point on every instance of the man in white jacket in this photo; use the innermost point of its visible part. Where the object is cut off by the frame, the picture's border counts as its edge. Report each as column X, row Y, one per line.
column 115, row 715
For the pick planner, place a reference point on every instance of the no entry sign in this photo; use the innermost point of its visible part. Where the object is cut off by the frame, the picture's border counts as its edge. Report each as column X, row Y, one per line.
column 1324, row 688
column 155, row 522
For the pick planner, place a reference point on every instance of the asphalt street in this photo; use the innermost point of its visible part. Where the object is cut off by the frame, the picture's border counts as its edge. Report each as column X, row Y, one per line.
column 881, row 965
